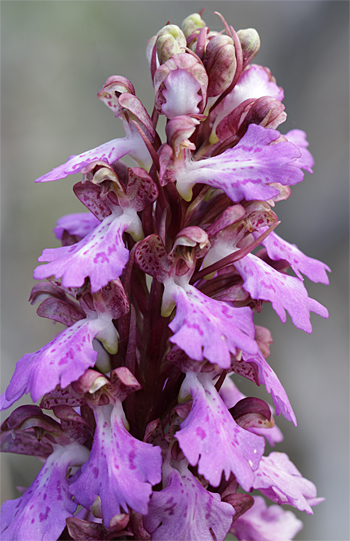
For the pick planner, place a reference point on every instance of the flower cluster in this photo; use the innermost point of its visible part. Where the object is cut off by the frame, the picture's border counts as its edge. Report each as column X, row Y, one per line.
column 142, row 430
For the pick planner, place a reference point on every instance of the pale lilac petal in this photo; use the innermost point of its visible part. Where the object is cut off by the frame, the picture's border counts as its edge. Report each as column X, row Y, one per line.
column 278, row 479
column 79, row 224
column 231, row 395
column 267, row 377
column 101, row 256
column 278, row 248
column 266, row 523
column 108, row 152
column 40, row 514
column 185, row 510
column 298, row 138
column 286, row 293
column 211, row 438
column 253, row 83
column 61, row 361
column 210, row 329
column 121, row 469
column 245, row 171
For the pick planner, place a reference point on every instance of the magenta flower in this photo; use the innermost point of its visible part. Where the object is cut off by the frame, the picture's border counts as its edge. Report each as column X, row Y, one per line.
column 158, row 284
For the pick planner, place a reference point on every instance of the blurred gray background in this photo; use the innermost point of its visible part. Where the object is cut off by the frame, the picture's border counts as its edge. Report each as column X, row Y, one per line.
column 55, row 57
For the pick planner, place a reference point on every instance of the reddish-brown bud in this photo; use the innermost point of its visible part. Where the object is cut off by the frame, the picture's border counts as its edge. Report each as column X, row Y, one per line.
column 220, row 63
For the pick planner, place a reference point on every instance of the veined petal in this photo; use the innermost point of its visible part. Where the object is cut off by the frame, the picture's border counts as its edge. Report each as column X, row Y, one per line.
column 101, row 255
column 266, row 523
column 283, row 291
column 79, row 224
column 61, row 361
column 211, row 438
column 278, row 248
column 121, row 469
column 205, row 328
column 247, row 170
column 278, row 479
column 109, row 152
column 41, row 512
column 186, row 510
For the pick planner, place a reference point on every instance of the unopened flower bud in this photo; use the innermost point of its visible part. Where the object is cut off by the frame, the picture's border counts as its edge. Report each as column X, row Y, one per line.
column 170, row 41
column 250, row 43
column 191, row 23
column 220, row 63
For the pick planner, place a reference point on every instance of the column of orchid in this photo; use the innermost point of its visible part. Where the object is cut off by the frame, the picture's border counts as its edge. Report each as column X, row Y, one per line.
column 141, row 428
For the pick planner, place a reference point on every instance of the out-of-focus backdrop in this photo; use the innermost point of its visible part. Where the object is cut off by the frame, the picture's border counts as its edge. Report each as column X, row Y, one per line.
column 55, row 58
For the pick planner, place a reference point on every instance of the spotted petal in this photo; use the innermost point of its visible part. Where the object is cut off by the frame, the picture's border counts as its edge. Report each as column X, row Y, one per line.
column 185, row 510
column 278, row 479
column 211, row 438
column 109, row 152
column 61, row 361
column 210, row 329
column 121, row 469
column 101, row 255
column 286, row 293
column 278, row 248
column 41, row 512
column 247, row 170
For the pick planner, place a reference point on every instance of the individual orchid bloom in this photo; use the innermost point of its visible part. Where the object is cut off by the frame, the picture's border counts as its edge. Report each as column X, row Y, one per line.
column 255, row 82
column 278, row 479
column 210, row 438
column 132, row 144
column 101, row 255
column 184, row 509
column 60, row 362
column 230, row 395
column 41, row 512
column 121, row 470
column 205, row 328
column 180, row 86
column 202, row 327
column 66, row 357
column 266, row 523
column 245, row 171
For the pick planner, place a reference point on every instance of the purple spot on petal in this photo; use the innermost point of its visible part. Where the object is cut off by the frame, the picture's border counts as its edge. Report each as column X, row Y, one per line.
column 200, row 432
